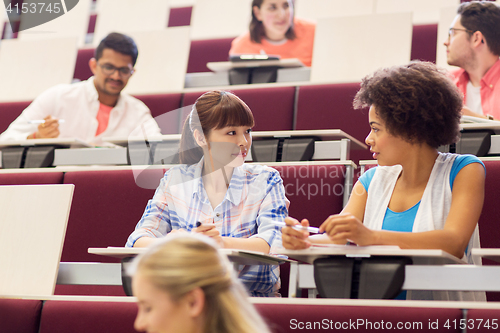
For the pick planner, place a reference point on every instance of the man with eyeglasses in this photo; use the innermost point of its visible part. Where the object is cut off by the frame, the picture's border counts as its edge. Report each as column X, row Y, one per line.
column 91, row 109
column 474, row 45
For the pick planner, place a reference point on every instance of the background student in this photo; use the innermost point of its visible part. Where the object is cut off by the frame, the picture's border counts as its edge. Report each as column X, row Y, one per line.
column 474, row 45
column 91, row 109
column 234, row 202
column 274, row 30
column 183, row 284
column 417, row 198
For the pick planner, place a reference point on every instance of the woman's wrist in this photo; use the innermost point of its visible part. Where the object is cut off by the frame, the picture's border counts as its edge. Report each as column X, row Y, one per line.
column 225, row 242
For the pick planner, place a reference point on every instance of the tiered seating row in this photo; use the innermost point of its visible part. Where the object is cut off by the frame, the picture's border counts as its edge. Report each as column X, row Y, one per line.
column 274, row 107
column 213, row 50
column 107, row 204
column 33, row 316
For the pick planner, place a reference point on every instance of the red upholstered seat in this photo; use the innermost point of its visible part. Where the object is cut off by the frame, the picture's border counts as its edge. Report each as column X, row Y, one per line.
column 284, row 318
column 483, row 320
column 488, row 221
column 489, row 232
column 160, row 106
column 31, row 178
column 89, row 290
column 82, row 69
column 20, row 315
column 9, row 112
column 314, row 191
column 4, row 25
column 203, row 51
column 180, row 16
column 424, row 42
column 106, row 207
column 272, row 107
column 85, row 317
column 329, row 106
column 92, row 20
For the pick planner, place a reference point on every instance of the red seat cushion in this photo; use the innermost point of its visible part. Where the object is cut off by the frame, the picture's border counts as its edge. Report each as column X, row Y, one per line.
column 329, row 106
column 315, row 191
column 483, row 320
column 203, row 51
column 92, row 20
column 489, row 233
column 284, row 318
column 89, row 290
column 161, row 106
column 488, row 227
column 180, row 16
column 272, row 108
column 85, row 317
column 106, row 208
column 424, row 42
column 20, row 315
column 82, row 69
column 31, row 178
column 9, row 112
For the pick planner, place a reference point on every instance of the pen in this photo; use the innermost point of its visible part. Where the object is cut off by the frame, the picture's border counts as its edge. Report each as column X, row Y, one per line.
column 42, row 121
column 313, row 230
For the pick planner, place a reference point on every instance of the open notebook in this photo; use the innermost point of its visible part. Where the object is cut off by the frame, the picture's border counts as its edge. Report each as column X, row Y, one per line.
column 33, row 221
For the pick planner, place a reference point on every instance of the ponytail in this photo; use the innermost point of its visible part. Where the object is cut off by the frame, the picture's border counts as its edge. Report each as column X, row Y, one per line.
column 189, row 151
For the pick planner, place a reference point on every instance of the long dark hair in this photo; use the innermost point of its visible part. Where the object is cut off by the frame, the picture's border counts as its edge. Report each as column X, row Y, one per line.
column 257, row 30
column 212, row 110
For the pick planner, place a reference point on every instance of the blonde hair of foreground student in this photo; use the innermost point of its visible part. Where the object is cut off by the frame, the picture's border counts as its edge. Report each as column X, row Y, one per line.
column 187, row 268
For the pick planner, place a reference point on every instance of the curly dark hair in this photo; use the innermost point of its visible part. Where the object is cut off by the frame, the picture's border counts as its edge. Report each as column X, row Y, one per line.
column 482, row 16
column 417, row 102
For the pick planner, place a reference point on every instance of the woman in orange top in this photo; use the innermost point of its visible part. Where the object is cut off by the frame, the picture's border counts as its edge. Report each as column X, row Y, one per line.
column 274, row 30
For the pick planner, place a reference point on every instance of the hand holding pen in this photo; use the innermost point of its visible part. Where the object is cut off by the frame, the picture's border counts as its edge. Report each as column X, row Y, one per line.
column 295, row 235
column 210, row 231
column 312, row 230
column 47, row 128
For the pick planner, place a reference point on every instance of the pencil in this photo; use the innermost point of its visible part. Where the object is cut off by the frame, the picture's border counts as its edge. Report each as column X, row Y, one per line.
column 42, row 121
column 312, row 230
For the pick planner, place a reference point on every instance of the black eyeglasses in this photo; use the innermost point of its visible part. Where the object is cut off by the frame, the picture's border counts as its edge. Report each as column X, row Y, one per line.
column 451, row 31
column 108, row 69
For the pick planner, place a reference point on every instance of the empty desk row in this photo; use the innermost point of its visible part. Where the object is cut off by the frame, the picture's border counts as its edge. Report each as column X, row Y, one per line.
column 166, row 55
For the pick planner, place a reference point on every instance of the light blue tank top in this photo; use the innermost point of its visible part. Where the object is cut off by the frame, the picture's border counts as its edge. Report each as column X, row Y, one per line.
column 403, row 221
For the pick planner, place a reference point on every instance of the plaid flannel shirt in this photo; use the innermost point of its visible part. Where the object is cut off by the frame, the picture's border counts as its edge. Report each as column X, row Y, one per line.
column 255, row 197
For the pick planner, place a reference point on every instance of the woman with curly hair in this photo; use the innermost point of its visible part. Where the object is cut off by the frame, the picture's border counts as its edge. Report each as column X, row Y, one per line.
column 417, row 198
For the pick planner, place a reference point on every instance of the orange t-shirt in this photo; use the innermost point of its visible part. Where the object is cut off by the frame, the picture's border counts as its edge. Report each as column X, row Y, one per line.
column 103, row 118
column 301, row 47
